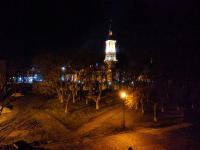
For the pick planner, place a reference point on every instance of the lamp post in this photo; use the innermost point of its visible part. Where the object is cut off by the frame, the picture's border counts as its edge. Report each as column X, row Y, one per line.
column 123, row 96
column 62, row 73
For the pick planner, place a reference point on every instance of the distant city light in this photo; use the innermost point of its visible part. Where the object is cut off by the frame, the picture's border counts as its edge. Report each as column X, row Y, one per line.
column 97, row 65
column 19, row 80
column 27, row 79
column 35, row 76
column 30, row 79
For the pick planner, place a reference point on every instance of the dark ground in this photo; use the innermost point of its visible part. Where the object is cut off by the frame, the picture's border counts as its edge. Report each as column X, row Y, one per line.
column 41, row 122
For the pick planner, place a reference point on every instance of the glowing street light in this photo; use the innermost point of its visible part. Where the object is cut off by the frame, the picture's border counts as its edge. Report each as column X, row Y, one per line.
column 123, row 96
column 63, row 68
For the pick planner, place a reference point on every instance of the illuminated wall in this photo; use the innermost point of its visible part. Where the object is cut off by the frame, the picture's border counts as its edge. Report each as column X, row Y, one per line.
column 110, row 51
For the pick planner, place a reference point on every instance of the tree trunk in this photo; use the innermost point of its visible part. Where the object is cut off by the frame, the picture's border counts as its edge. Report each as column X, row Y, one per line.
column 155, row 112
column 76, row 91
column 1, row 109
column 67, row 104
column 97, row 104
column 66, row 108
column 61, row 98
column 162, row 107
column 86, row 101
column 142, row 107
column 97, row 100
column 60, row 95
column 136, row 106
column 73, row 97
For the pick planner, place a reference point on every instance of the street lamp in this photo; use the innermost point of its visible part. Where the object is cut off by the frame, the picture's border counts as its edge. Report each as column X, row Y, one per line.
column 63, row 68
column 62, row 73
column 123, row 96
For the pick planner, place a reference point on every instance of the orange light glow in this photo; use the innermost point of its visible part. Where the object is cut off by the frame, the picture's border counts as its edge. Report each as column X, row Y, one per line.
column 123, row 94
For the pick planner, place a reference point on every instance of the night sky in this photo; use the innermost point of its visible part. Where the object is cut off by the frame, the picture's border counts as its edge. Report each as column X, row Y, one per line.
column 167, row 30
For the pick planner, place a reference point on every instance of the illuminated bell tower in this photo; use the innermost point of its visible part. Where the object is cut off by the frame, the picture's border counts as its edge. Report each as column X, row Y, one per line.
column 110, row 55
column 110, row 49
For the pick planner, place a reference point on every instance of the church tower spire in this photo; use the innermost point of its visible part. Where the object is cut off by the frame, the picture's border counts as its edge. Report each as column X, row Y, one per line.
column 110, row 31
column 110, row 55
column 110, row 51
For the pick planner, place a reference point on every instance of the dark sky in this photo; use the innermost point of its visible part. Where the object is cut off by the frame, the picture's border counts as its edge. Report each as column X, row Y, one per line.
column 167, row 30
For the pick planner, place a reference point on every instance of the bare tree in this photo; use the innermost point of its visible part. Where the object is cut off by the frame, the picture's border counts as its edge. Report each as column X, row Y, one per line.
column 154, row 99
column 53, row 85
column 95, row 82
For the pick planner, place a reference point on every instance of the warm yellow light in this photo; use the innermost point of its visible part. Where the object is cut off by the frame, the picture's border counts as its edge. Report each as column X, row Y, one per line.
column 110, row 33
column 123, row 94
column 110, row 46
